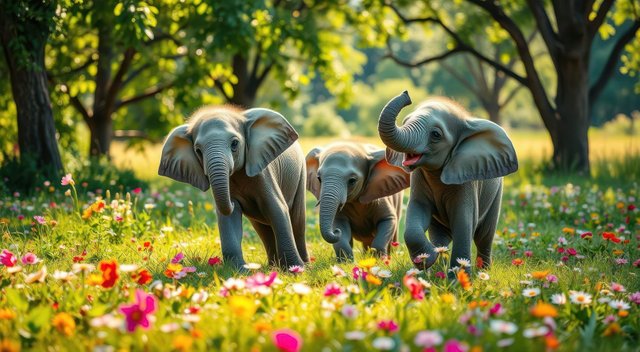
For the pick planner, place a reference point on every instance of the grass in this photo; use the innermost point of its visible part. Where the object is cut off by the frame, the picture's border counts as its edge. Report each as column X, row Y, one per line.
column 541, row 250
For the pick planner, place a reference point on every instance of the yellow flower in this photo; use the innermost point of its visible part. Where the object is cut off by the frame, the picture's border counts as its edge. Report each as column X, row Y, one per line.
column 182, row 343
column 569, row 230
column 367, row 263
column 9, row 346
column 64, row 323
column 372, row 279
column 242, row 307
column 612, row 329
column 262, row 326
column 540, row 275
column 541, row 310
column 448, row 298
column 7, row 314
column 94, row 280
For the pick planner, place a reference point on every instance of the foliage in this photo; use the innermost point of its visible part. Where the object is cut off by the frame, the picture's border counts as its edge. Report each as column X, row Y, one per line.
column 322, row 120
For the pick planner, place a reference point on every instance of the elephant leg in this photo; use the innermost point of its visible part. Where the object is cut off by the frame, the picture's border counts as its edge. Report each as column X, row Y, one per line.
column 344, row 246
column 281, row 225
column 385, row 232
column 483, row 237
column 440, row 236
column 298, row 222
column 230, row 228
column 268, row 239
column 421, row 251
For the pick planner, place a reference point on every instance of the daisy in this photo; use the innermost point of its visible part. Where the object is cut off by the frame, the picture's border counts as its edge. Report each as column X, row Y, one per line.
column 463, row 262
column 619, row 304
column 559, row 299
column 483, row 276
column 579, row 297
column 300, row 289
column 531, row 292
column 441, row 249
column 503, row 327
column 252, row 266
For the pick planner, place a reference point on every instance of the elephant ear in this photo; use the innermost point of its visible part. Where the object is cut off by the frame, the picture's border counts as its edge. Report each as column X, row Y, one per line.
column 268, row 135
column 483, row 152
column 384, row 178
column 179, row 160
column 313, row 163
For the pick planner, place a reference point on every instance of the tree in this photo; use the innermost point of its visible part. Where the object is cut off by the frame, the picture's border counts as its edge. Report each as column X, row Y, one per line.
column 111, row 55
column 24, row 29
column 568, row 29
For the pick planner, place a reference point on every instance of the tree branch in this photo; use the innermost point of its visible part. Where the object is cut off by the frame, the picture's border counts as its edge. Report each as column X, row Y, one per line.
column 148, row 93
column 510, row 96
column 116, row 83
column 601, row 16
column 77, row 104
column 549, row 36
column 264, row 74
column 612, row 62
column 460, row 79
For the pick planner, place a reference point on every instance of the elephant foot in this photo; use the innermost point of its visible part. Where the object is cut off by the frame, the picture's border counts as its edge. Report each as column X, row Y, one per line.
column 286, row 261
column 424, row 260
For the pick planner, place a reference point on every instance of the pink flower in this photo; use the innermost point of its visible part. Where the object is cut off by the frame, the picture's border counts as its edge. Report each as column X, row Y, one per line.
column 454, row 345
column 67, row 180
column 178, row 258
column 440, row 275
column 635, row 297
column 7, row 258
column 621, row 261
column 214, row 261
column 332, row 289
column 260, row 279
column 496, row 309
column 137, row 190
column 572, row 251
column 636, row 263
column 287, row 340
column 40, row 219
column 358, row 273
column 528, row 253
column 388, row 325
column 414, row 286
column 296, row 269
column 137, row 313
column 29, row 259
column 616, row 287
column 552, row 278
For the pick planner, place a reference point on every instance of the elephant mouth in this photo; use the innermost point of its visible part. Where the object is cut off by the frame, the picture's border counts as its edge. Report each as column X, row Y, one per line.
column 411, row 159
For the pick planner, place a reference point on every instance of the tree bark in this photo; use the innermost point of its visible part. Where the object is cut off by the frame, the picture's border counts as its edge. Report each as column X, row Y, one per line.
column 100, row 124
column 36, row 128
column 244, row 92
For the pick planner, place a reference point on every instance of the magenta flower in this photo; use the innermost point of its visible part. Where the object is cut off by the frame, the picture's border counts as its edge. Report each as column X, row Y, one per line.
column 260, row 279
column 635, row 297
column 67, row 180
column 388, row 325
column 178, row 258
column 40, row 219
column 29, row 259
column 287, row 340
column 636, row 263
column 137, row 313
column 440, row 275
column 454, row 345
column 214, row 261
column 7, row 258
column 332, row 289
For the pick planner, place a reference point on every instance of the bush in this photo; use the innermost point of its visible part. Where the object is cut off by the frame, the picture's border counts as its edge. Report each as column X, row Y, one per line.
column 323, row 121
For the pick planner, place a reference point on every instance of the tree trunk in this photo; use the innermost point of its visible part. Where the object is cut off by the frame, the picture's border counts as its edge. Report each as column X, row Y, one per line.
column 570, row 139
column 100, row 123
column 244, row 92
column 101, row 128
column 36, row 128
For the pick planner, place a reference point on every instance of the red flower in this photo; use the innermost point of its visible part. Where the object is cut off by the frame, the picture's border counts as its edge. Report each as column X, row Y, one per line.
column 142, row 277
column 214, row 261
column 587, row 235
column 610, row 236
column 109, row 270
column 414, row 286
column 517, row 262
column 395, row 244
column 572, row 251
column 388, row 325
column 137, row 190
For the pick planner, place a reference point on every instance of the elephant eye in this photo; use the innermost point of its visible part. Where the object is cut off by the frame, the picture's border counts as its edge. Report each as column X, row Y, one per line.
column 352, row 181
column 199, row 153
column 234, row 145
column 435, row 135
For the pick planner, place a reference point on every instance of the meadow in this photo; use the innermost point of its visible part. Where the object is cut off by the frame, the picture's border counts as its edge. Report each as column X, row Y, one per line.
column 141, row 269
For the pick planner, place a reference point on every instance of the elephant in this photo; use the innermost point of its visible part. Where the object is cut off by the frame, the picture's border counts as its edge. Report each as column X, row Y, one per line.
column 457, row 163
column 254, row 165
column 359, row 195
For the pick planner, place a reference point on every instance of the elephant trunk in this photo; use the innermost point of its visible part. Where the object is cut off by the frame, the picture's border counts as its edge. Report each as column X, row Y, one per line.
column 331, row 198
column 218, row 170
column 401, row 139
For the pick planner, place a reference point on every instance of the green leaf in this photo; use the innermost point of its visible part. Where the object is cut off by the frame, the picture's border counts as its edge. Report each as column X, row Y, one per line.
column 228, row 89
column 16, row 299
column 118, row 9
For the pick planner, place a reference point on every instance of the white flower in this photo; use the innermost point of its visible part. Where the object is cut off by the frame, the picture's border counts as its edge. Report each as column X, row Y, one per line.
column 505, row 342
column 441, row 249
column 535, row 331
column 128, row 268
column 149, row 206
column 37, row 276
column 355, row 335
column 531, row 292
column 483, row 276
column 619, row 304
column 169, row 327
column 413, row 271
column 503, row 327
column 579, row 297
column 349, row 311
column 300, row 289
column 252, row 266
column 424, row 283
column 427, row 339
column 63, row 276
column 379, row 272
column 464, row 262
column 85, row 268
column 233, row 284
column 337, row 271
column 383, row 343
column 558, row 299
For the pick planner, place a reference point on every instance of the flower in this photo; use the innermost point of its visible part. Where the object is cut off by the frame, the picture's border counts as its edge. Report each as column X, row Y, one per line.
column 427, row 339
column 37, row 276
column 63, row 276
column 635, row 297
column 619, row 304
column 142, row 277
column 349, row 311
column 483, row 276
column 616, row 287
column 612, row 329
column 355, row 335
column 242, row 306
column 109, row 270
column 415, row 287
column 541, row 310
column 383, row 343
column 64, row 323
column 260, row 279
column 388, row 325
column 367, row 263
column 296, row 269
column 441, row 249
column 502, row 327
column 420, row 258
column 67, row 180
column 531, row 292
column 332, row 289
column 558, row 299
column 540, row 275
column 7, row 258
column 337, row 271
column 579, row 297
column 29, row 259
column 464, row 262
column 517, row 262
column 40, row 220
column 252, row 266
column 182, row 343
column 137, row 313
column 372, row 279
column 287, row 340
column 454, row 345
column 213, row 261
column 610, row 236
column 463, row 279
column 535, row 331
column 178, row 258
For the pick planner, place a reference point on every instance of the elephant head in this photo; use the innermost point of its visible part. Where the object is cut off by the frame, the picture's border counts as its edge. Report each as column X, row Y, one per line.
column 217, row 142
column 442, row 137
column 349, row 172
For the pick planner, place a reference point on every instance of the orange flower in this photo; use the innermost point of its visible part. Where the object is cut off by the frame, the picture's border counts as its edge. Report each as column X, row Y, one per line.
column 142, row 277
column 517, row 262
column 262, row 326
column 64, row 323
column 7, row 314
column 109, row 270
column 9, row 346
column 551, row 342
column 613, row 329
column 372, row 279
column 463, row 279
column 623, row 313
column 569, row 230
column 540, row 275
column 618, row 252
column 172, row 270
column 96, row 207
column 541, row 310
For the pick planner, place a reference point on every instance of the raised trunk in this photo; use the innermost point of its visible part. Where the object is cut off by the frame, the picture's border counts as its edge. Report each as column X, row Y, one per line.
column 394, row 137
column 36, row 128
column 218, row 171
column 331, row 199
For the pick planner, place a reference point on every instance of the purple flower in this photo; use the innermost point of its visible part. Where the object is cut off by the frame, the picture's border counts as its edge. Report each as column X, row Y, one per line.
column 40, row 219
column 178, row 258
column 635, row 297
column 137, row 313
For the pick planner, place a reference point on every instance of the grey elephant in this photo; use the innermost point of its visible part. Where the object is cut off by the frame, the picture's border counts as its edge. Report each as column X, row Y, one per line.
column 255, row 167
column 359, row 195
column 456, row 163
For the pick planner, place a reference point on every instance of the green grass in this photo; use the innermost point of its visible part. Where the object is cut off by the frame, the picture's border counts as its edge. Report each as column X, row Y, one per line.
column 539, row 214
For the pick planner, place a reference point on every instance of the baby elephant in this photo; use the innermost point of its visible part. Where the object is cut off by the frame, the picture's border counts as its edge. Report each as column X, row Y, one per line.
column 255, row 167
column 359, row 195
column 457, row 164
